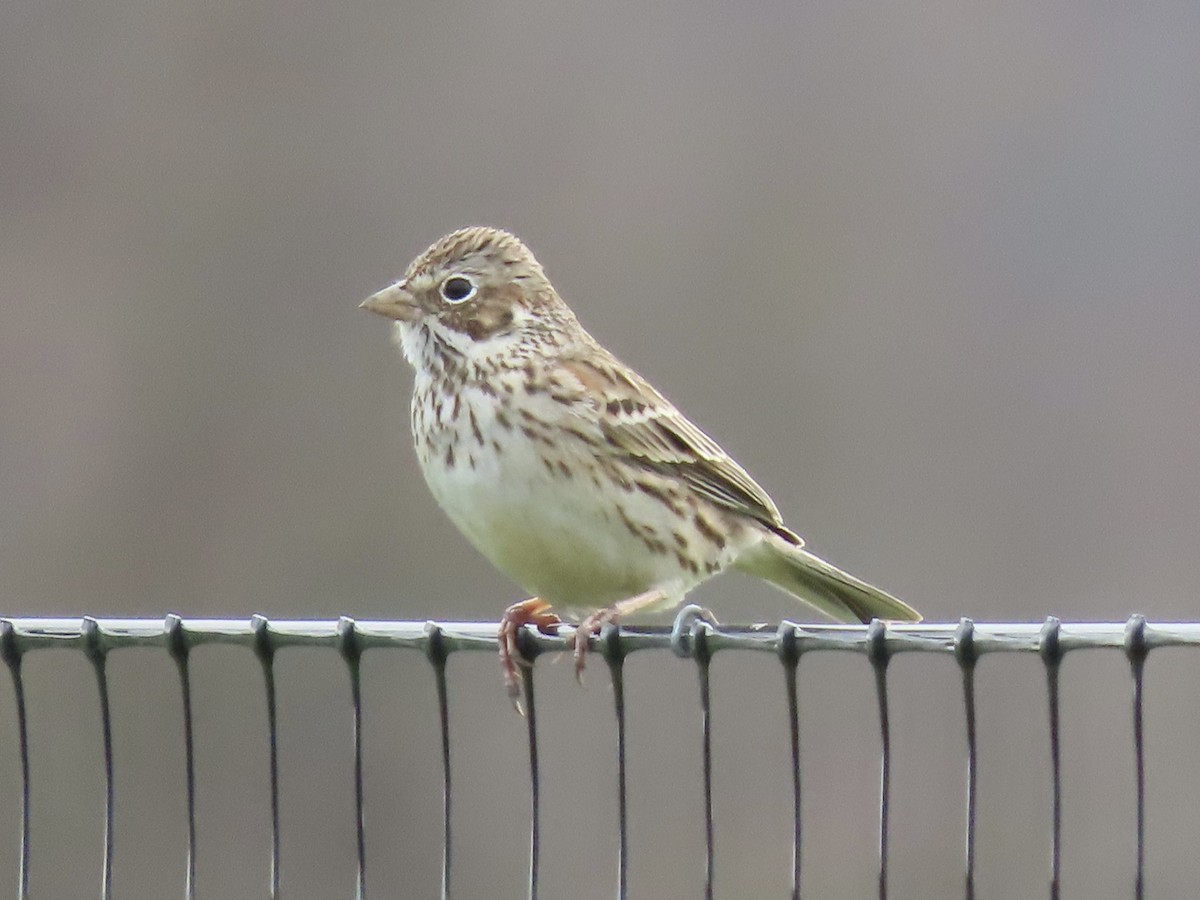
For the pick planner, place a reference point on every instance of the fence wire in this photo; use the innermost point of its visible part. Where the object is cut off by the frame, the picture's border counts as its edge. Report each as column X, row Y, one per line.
column 691, row 637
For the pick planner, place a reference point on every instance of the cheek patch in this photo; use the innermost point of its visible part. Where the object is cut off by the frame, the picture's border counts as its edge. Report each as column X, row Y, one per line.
column 487, row 321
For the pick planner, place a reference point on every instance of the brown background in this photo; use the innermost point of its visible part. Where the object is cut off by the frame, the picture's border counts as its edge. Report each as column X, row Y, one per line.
column 932, row 272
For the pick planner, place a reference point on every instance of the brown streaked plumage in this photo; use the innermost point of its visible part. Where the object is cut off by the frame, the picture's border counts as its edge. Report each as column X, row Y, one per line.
column 565, row 467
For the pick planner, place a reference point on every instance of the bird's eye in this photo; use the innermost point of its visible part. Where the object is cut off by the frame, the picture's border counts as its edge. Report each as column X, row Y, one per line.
column 458, row 289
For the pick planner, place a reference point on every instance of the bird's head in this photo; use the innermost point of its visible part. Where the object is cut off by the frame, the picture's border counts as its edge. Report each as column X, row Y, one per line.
column 475, row 295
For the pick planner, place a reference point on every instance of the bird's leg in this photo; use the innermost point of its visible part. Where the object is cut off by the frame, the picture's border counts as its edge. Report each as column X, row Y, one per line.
column 597, row 620
column 534, row 611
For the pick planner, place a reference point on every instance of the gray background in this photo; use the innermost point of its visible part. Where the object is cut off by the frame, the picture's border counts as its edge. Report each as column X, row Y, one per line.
column 930, row 271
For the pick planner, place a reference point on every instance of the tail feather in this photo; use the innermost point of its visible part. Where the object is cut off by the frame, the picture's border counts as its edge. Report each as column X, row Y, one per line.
column 811, row 579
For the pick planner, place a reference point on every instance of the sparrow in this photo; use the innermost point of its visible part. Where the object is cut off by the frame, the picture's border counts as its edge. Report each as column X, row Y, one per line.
column 566, row 468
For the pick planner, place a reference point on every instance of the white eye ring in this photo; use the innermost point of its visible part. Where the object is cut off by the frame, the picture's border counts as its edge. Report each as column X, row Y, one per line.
column 457, row 289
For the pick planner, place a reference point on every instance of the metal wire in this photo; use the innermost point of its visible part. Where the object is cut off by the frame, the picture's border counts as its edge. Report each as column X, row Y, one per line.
column 10, row 651
column 177, row 647
column 530, row 652
column 877, row 653
column 789, row 655
column 614, row 655
column 964, row 652
column 352, row 655
column 436, row 651
column 97, row 654
column 264, row 649
column 1135, row 649
column 703, row 657
column 691, row 636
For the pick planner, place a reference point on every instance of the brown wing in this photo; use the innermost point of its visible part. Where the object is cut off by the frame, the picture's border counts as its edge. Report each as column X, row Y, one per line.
column 643, row 426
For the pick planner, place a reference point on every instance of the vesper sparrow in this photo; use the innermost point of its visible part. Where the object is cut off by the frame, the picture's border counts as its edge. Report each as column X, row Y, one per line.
column 565, row 468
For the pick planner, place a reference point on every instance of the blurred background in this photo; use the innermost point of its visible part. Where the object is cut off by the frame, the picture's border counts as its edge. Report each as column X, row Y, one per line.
column 931, row 271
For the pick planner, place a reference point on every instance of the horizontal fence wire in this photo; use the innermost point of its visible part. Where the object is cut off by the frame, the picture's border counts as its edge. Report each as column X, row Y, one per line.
column 692, row 636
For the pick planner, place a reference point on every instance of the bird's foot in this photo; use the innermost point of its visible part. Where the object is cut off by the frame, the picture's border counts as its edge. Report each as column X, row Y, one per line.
column 585, row 631
column 610, row 615
column 534, row 611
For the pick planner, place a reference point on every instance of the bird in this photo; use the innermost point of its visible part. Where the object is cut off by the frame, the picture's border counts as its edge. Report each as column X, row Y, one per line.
column 566, row 469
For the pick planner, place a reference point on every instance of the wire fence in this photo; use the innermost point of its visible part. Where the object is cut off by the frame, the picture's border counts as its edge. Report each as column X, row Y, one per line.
column 691, row 637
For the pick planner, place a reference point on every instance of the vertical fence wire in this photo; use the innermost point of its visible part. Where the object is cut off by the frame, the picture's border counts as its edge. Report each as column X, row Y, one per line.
column 690, row 638
column 177, row 647
column 351, row 651
column 967, row 655
column 1051, row 651
column 529, row 651
column 878, row 654
column 264, row 649
column 97, row 654
column 614, row 655
column 436, row 651
column 789, row 655
column 1136, row 651
column 10, row 652
column 703, row 660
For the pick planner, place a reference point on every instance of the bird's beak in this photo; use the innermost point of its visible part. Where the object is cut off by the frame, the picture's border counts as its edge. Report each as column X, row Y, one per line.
column 393, row 302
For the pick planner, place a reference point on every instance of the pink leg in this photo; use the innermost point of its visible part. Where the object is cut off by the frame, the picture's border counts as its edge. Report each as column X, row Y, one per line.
column 594, row 623
column 534, row 611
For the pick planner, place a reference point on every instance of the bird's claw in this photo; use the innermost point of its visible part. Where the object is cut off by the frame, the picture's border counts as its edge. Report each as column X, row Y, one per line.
column 534, row 611
column 588, row 629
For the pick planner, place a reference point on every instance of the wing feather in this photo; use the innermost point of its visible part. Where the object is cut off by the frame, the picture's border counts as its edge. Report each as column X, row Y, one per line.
column 641, row 425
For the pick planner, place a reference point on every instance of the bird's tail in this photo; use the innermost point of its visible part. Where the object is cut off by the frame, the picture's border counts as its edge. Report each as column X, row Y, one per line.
column 811, row 579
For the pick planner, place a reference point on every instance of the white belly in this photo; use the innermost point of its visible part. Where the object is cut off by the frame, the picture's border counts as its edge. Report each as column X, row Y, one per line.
column 559, row 537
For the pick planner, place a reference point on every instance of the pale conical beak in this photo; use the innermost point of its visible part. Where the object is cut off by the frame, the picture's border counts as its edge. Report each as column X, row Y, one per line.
column 393, row 302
